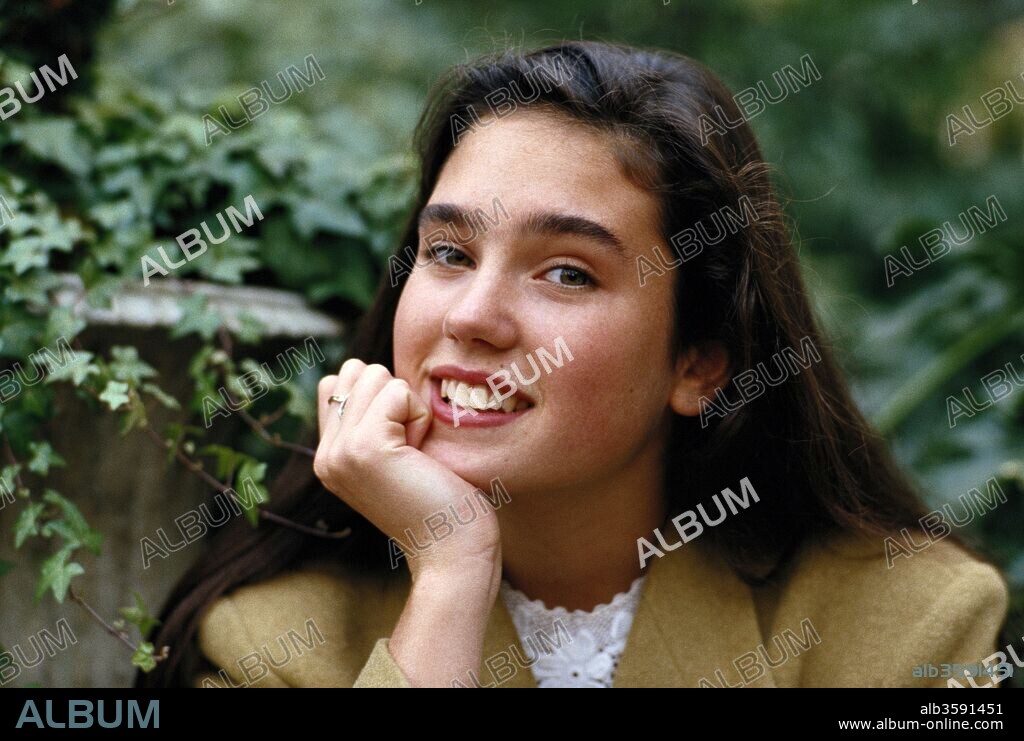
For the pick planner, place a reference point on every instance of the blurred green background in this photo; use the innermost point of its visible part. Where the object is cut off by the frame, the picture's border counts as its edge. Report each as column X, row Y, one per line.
column 115, row 163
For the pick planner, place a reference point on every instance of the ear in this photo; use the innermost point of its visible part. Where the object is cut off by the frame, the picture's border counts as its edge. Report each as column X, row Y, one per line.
column 700, row 369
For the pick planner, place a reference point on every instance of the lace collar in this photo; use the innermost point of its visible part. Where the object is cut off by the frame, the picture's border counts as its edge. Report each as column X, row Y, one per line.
column 513, row 597
column 580, row 648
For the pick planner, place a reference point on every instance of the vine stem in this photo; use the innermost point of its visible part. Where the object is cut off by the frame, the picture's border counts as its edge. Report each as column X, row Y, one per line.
column 190, row 464
column 78, row 598
column 274, row 439
column 197, row 469
column 96, row 616
column 257, row 426
column 269, row 419
column 14, row 461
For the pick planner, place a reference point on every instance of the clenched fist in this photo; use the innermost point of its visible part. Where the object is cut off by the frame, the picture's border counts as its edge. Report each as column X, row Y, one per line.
column 370, row 458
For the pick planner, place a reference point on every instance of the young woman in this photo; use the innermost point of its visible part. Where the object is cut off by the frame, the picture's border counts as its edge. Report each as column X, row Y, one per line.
column 604, row 326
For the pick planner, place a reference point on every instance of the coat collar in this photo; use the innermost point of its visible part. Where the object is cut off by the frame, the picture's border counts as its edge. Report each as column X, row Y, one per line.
column 694, row 619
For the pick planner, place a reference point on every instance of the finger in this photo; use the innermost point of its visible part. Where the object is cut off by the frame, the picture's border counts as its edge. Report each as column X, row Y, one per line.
column 419, row 420
column 338, row 385
column 397, row 416
column 372, row 379
column 323, row 391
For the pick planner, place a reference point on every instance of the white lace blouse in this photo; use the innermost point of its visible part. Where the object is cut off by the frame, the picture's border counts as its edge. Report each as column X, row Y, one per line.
column 585, row 651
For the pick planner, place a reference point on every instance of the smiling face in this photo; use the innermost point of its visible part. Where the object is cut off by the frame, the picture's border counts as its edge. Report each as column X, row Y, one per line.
column 559, row 268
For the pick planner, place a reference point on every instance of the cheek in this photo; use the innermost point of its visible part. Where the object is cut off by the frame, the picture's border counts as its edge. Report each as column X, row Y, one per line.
column 604, row 407
column 414, row 322
column 602, row 390
column 614, row 376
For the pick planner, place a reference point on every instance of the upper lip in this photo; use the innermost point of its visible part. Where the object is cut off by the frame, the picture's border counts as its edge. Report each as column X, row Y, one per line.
column 476, row 377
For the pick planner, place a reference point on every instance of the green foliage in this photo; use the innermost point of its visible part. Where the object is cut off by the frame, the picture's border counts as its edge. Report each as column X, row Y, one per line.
column 105, row 174
column 56, row 574
column 139, row 616
column 114, row 166
column 143, row 657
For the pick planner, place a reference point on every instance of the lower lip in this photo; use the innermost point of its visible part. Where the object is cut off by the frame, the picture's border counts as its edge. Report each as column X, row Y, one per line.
column 444, row 412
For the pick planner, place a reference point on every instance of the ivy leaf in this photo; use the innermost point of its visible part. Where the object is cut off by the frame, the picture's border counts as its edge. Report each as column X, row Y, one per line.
column 76, row 370
column 262, row 376
column 139, row 615
column 115, row 394
column 33, row 288
column 204, row 376
column 196, row 317
column 44, row 456
column 136, row 416
column 229, row 261
column 160, row 395
column 27, row 523
column 62, row 323
column 254, row 493
column 143, row 657
column 240, row 392
column 58, row 233
column 8, row 474
column 310, row 216
column 62, row 529
column 100, row 287
column 113, row 215
column 252, row 469
column 126, row 365
column 77, row 530
column 19, row 334
column 227, row 459
column 57, row 140
column 300, row 403
column 6, row 566
column 57, row 574
column 25, row 253
column 249, row 329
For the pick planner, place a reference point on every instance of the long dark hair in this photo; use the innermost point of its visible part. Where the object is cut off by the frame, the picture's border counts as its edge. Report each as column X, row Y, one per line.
column 817, row 465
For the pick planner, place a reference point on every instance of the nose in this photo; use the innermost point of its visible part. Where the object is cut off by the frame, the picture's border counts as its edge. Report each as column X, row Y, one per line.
column 481, row 309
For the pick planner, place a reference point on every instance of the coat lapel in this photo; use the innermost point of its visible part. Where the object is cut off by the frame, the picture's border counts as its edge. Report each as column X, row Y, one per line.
column 695, row 618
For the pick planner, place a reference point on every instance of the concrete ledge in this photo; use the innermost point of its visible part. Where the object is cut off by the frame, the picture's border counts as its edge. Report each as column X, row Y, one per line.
column 282, row 313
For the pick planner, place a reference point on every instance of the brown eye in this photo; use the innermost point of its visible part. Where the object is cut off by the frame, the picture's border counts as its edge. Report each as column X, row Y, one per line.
column 441, row 252
column 576, row 277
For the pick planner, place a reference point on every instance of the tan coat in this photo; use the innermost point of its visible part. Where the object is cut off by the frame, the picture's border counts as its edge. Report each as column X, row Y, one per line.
column 839, row 618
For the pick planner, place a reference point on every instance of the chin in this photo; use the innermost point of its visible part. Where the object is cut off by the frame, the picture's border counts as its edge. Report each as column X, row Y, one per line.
column 476, row 467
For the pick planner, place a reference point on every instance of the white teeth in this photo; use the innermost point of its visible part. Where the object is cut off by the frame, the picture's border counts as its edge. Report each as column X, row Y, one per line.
column 461, row 394
column 477, row 397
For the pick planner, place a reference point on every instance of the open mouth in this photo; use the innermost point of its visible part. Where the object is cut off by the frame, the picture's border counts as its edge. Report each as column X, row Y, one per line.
column 479, row 397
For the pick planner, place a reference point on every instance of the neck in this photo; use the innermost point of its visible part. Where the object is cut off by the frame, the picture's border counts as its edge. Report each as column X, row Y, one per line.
column 577, row 547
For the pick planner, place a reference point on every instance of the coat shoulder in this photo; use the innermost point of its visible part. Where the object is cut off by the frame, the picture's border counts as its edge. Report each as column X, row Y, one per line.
column 312, row 626
column 905, row 563
column 884, row 605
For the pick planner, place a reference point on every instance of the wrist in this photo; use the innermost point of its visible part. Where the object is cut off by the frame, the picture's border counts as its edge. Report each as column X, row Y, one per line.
column 460, row 576
column 457, row 558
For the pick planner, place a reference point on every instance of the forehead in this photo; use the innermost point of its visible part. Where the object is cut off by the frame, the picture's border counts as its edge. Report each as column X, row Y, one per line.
column 533, row 160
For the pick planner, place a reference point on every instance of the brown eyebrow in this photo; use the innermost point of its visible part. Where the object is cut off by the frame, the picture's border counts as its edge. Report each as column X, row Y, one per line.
column 537, row 222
